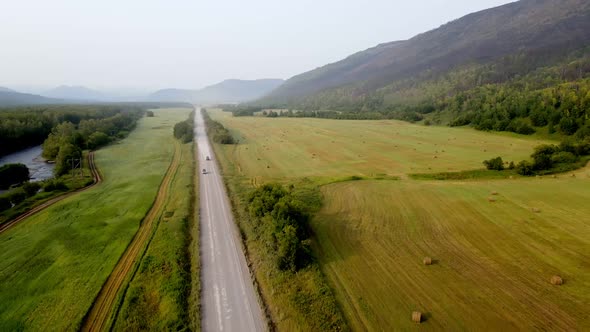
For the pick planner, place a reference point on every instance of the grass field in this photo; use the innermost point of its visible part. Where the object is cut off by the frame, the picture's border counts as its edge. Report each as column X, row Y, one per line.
column 293, row 148
column 157, row 297
column 53, row 265
column 493, row 260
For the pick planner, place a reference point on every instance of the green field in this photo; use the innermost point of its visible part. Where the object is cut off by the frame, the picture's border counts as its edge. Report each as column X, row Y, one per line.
column 493, row 260
column 157, row 297
column 292, row 148
column 53, row 264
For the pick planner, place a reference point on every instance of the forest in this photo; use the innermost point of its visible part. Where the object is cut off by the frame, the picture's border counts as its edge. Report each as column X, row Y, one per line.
column 510, row 94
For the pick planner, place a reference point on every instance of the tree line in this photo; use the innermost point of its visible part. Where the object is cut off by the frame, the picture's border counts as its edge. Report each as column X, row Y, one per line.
column 282, row 222
column 216, row 131
column 184, row 130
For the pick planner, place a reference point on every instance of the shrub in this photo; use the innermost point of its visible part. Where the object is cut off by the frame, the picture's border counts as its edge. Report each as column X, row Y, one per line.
column 97, row 139
column 496, row 164
column 4, row 203
column 563, row 157
column 525, row 168
column 13, row 174
column 542, row 156
column 149, row 114
column 511, row 165
column 17, row 196
column 31, row 188
column 54, row 185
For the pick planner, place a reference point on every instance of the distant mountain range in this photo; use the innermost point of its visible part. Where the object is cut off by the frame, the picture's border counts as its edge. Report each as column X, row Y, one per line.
column 79, row 93
column 12, row 98
column 225, row 92
column 513, row 39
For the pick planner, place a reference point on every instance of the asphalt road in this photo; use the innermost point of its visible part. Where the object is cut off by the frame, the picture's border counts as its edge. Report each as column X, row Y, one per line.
column 228, row 299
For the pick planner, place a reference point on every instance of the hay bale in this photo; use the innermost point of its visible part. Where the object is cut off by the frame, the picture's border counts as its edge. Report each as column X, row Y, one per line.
column 511, row 177
column 416, row 317
column 434, row 157
column 536, row 210
column 554, row 176
column 573, row 175
column 494, row 193
column 556, row 280
column 491, row 199
column 427, row 261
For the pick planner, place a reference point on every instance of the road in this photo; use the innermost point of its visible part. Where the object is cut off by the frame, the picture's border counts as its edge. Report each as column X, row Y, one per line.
column 228, row 299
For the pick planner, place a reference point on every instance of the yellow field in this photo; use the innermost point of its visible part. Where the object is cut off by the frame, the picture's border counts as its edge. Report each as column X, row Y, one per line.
column 292, row 148
column 493, row 260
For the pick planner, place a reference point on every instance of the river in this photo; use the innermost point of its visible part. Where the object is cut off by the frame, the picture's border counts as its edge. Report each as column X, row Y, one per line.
column 39, row 170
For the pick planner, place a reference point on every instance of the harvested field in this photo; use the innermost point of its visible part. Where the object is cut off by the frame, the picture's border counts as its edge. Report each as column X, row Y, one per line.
column 493, row 260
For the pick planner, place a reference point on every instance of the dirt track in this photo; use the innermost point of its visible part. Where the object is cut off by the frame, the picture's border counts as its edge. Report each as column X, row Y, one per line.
column 97, row 180
column 98, row 317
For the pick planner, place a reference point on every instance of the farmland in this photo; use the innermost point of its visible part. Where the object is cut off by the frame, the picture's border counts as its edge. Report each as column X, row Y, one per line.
column 493, row 255
column 294, row 148
column 53, row 264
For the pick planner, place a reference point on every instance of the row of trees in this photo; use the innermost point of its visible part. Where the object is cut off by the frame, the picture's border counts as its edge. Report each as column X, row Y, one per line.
column 67, row 139
column 22, row 127
column 548, row 158
column 283, row 223
column 217, row 132
column 184, row 130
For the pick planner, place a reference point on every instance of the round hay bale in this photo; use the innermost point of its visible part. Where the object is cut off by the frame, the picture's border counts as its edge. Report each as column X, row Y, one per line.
column 573, row 175
column 556, row 280
column 536, row 210
column 494, row 193
column 427, row 261
column 554, row 176
column 511, row 177
column 434, row 157
column 416, row 317
column 491, row 199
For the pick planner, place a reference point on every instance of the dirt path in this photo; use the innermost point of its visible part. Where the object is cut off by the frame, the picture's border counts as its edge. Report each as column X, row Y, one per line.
column 99, row 317
column 97, row 180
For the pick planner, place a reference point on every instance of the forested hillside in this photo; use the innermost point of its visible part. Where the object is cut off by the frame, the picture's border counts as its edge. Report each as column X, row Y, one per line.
column 514, row 67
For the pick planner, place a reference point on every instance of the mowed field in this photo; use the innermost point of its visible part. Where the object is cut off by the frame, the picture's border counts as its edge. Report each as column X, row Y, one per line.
column 492, row 260
column 292, row 148
column 54, row 264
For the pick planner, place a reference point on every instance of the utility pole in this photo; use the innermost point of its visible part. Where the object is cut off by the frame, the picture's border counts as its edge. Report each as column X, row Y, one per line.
column 76, row 164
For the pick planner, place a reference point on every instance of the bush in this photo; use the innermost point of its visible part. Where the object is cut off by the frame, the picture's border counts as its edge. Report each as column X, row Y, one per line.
column 13, row 174
column 511, row 165
column 496, row 164
column 4, row 203
column 525, row 168
column 149, row 114
column 17, row 196
column 563, row 157
column 31, row 188
column 97, row 139
column 54, row 185
column 542, row 156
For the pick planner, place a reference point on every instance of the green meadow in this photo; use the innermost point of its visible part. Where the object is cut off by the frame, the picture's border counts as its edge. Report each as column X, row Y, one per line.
column 53, row 264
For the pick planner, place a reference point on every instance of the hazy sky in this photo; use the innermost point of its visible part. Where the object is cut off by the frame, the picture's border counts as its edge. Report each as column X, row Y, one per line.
column 189, row 44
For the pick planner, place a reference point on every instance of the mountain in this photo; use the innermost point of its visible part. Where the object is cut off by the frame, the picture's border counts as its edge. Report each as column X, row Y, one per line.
column 80, row 93
column 513, row 39
column 2, row 89
column 224, row 92
column 12, row 98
